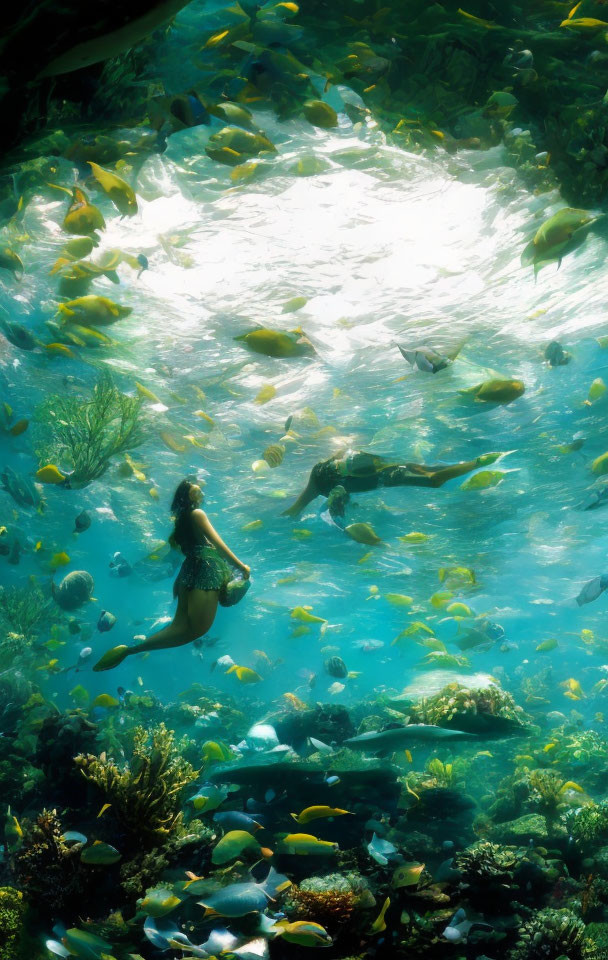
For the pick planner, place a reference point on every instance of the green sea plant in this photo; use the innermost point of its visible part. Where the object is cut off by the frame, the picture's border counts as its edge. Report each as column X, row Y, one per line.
column 13, row 909
column 25, row 610
column 589, row 824
column 551, row 935
column 145, row 792
column 490, row 709
column 84, row 433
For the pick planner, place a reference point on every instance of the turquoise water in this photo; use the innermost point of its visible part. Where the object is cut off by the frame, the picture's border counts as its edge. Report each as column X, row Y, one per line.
column 387, row 247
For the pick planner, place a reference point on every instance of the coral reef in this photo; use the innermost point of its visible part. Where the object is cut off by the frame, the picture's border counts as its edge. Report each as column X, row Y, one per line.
column 24, row 611
column 48, row 870
column 145, row 793
column 12, row 920
column 487, row 710
column 551, row 934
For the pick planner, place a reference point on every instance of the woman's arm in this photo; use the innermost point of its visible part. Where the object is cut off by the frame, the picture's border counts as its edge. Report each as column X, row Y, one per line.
column 204, row 524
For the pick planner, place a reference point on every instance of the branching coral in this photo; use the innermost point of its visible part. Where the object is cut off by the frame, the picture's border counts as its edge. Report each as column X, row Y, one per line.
column 85, row 433
column 145, row 792
column 12, row 918
column 551, row 934
column 476, row 711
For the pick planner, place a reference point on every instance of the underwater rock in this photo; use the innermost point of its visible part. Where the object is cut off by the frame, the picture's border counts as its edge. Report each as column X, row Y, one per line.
column 75, row 589
column 328, row 722
column 532, row 826
column 490, row 710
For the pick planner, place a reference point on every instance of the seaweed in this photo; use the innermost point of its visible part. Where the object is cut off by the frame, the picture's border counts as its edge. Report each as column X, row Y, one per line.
column 87, row 432
column 145, row 792
column 24, row 611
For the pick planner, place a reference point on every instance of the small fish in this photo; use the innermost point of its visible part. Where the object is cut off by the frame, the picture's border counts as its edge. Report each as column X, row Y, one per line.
column 118, row 190
column 592, row 590
column 556, row 356
column 59, row 560
column 83, row 218
column 382, row 851
column 239, row 899
column 159, row 902
column 50, row 474
column 82, row 522
column 363, row 533
column 296, row 303
column 546, row 645
column 210, row 797
column 379, row 924
column 596, row 391
column 233, row 844
column 318, row 813
column 483, row 480
column 496, row 391
column 573, row 689
column 106, row 701
column 303, row 614
column 304, row 844
column 92, row 311
column 11, row 261
column 245, row 674
column 236, row 820
column 106, row 621
column 303, row 933
column 267, row 393
column 320, row 114
column 101, row 854
column 276, row 343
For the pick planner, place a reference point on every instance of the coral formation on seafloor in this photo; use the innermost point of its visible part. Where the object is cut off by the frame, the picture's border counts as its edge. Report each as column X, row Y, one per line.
column 145, row 793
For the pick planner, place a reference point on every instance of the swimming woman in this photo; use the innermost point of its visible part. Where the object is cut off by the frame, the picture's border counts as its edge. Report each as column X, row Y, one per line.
column 204, row 579
column 357, row 472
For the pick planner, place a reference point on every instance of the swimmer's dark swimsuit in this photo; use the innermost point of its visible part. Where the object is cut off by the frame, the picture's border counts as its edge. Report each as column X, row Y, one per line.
column 358, row 472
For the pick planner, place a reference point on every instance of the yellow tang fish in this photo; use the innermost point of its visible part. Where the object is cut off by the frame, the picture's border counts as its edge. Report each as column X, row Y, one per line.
column 379, row 924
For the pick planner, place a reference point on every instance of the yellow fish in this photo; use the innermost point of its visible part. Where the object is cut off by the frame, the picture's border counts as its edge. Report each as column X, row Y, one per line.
column 379, row 924
column 399, row 599
column 303, row 844
column 573, row 689
column 546, row 645
column 50, row 474
column 496, row 391
column 252, row 525
column 245, row 674
column 303, row 614
column 596, row 390
column 363, row 533
column 61, row 349
column 265, row 394
column 105, row 700
column 317, row 813
column 304, row 933
column 59, row 560
column 145, row 393
column 93, row 311
column 82, row 218
column 118, row 190
column 414, row 537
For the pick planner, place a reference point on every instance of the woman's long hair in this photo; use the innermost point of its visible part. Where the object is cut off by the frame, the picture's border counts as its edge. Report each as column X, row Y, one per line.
column 181, row 509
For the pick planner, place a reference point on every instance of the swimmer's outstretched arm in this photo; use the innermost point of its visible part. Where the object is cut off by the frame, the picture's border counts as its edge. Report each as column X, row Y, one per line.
column 202, row 522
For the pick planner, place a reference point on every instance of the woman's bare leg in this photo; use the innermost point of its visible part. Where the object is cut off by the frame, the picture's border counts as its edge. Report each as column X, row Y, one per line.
column 195, row 614
column 421, row 475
